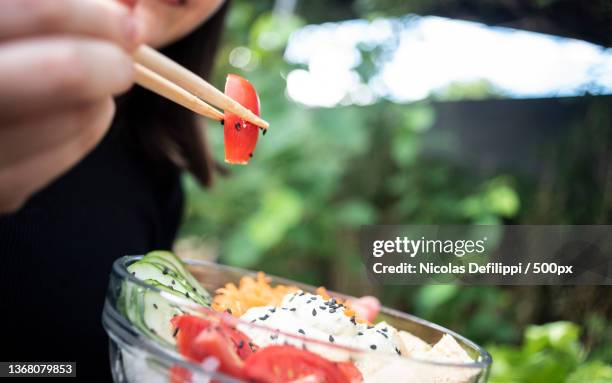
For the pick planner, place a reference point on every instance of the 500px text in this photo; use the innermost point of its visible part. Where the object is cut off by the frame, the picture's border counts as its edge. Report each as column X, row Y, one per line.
column 473, row 268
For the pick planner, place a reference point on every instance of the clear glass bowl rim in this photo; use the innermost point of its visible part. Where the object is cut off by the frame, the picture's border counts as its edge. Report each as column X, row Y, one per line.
column 117, row 324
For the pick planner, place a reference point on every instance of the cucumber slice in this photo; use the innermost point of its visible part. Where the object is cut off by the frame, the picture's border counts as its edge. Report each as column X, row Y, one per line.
column 144, row 270
column 157, row 313
column 151, row 312
column 147, row 309
column 171, row 260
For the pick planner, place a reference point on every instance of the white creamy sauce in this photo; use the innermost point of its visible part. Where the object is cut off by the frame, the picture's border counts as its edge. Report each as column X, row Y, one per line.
column 309, row 316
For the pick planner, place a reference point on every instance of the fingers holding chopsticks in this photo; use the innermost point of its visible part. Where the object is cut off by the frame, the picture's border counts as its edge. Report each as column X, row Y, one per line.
column 60, row 63
column 55, row 53
column 42, row 74
column 102, row 19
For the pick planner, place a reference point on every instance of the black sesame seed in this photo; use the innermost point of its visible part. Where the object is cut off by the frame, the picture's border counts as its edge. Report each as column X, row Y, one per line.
column 264, row 317
column 353, row 320
column 264, row 132
column 384, row 329
column 331, row 338
column 187, row 294
column 273, row 309
column 153, row 331
column 332, row 311
column 383, row 334
column 373, row 346
column 229, row 311
column 154, row 306
column 250, row 155
column 241, row 344
column 193, row 289
column 370, row 327
column 237, row 126
column 359, row 333
column 323, row 307
column 165, row 271
column 302, row 293
column 314, row 312
column 274, row 336
column 175, row 332
column 133, row 273
column 292, row 309
column 222, row 122
column 173, row 281
column 251, row 346
column 301, row 332
column 398, row 351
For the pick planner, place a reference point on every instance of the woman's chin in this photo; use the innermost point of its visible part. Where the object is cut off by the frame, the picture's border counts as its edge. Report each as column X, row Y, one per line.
column 166, row 21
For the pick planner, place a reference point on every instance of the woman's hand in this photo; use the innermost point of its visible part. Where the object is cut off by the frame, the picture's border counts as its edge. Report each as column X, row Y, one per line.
column 60, row 63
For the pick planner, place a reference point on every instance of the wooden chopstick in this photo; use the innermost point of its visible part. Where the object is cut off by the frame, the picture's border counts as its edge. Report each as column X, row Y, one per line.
column 165, row 88
column 191, row 82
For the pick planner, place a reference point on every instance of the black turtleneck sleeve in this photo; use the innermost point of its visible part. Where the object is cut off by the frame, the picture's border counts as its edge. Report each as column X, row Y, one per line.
column 57, row 251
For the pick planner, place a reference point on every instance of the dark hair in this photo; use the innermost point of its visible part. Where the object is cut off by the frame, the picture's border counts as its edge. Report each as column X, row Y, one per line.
column 161, row 129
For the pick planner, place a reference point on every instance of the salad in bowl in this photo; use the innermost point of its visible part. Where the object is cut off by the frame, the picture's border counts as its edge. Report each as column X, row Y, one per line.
column 194, row 321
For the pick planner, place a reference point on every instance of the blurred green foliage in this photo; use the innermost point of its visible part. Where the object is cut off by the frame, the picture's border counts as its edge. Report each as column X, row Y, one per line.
column 550, row 353
column 319, row 174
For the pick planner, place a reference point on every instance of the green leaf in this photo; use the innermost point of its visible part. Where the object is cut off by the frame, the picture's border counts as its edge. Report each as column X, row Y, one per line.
column 239, row 250
column 271, row 31
column 591, row 372
column 281, row 209
column 431, row 297
column 355, row 213
column 562, row 336
column 419, row 117
column 501, row 198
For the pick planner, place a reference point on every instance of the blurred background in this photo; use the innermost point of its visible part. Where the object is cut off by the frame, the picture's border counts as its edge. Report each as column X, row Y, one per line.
column 416, row 112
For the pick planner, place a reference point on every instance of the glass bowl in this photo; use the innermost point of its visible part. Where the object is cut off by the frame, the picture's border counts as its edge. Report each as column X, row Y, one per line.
column 135, row 357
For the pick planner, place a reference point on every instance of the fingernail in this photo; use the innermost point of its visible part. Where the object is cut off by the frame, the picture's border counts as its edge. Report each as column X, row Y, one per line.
column 132, row 31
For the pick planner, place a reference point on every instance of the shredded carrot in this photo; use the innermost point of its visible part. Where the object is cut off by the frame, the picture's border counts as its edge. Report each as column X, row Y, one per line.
column 250, row 292
column 322, row 291
column 255, row 292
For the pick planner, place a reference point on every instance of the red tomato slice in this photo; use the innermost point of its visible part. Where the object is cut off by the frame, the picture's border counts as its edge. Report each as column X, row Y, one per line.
column 213, row 343
column 348, row 369
column 242, row 343
column 198, row 338
column 188, row 328
column 180, row 375
column 282, row 364
column 240, row 136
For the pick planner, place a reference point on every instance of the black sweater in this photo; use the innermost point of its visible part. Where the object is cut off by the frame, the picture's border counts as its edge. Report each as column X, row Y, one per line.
column 57, row 251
